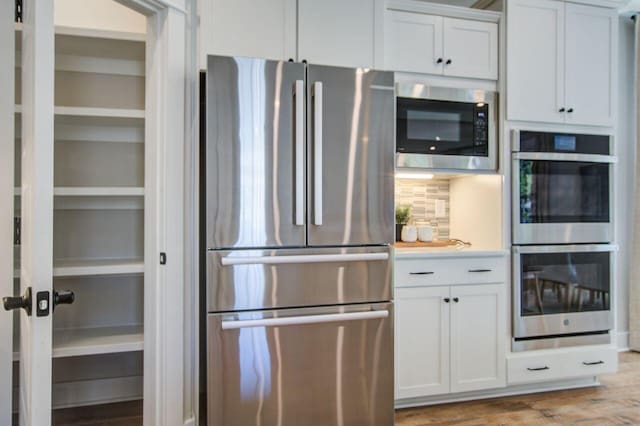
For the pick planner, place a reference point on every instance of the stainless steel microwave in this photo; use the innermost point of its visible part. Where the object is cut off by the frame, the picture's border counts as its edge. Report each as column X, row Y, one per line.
column 445, row 128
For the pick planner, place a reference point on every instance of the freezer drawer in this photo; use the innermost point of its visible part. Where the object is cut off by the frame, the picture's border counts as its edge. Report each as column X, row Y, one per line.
column 265, row 279
column 301, row 367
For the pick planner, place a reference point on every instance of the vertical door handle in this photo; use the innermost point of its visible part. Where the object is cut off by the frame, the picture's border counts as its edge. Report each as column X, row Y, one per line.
column 299, row 153
column 317, row 152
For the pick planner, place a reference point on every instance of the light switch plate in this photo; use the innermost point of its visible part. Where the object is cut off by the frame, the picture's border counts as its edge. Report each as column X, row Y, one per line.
column 441, row 208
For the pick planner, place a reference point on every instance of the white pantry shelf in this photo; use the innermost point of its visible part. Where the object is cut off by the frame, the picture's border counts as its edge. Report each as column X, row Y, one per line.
column 114, row 113
column 94, row 267
column 93, row 33
column 93, row 341
column 98, row 191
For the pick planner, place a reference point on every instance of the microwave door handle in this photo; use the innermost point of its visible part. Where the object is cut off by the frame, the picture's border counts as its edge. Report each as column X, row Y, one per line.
column 299, row 153
column 317, row 153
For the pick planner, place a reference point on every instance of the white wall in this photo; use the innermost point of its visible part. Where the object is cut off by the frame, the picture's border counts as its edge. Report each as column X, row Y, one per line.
column 626, row 151
column 476, row 210
column 99, row 14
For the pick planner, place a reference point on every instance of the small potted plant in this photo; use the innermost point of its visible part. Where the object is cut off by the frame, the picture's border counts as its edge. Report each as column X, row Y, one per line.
column 402, row 218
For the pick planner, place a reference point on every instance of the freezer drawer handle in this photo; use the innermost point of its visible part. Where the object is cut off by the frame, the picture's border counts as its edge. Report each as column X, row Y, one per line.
column 309, row 319
column 303, row 258
column 299, row 154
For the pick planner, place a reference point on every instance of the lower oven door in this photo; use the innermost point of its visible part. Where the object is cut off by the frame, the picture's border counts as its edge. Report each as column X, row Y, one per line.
column 301, row 367
column 562, row 198
column 563, row 289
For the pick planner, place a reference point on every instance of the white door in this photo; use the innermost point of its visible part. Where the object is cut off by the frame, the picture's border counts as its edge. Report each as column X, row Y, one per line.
column 591, row 55
column 413, row 42
column 477, row 337
column 256, row 28
column 535, row 60
column 7, row 145
column 335, row 32
column 421, row 341
column 34, row 400
column 470, row 49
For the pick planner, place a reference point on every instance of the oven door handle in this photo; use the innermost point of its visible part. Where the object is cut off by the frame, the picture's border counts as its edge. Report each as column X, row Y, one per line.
column 303, row 258
column 554, row 156
column 307, row 319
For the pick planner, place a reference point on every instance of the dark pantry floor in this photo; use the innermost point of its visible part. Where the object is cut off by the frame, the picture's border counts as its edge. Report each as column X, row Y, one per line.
column 616, row 402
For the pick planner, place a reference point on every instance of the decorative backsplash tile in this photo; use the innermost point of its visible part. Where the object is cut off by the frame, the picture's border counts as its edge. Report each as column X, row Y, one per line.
column 421, row 196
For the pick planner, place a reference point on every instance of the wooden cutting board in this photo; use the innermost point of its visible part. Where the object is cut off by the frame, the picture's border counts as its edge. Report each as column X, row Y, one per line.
column 417, row 244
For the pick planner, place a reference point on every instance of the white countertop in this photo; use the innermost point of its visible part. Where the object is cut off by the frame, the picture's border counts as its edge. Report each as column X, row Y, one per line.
column 450, row 251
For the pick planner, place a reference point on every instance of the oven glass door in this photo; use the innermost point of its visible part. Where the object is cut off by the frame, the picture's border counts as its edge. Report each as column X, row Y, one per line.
column 440, row 127
column 564, row 282
column 563, row 191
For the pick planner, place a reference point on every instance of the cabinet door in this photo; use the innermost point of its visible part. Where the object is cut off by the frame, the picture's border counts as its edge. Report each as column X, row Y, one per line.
column 335, row 32
column 413, row 42
column 535, row 60
column 478, row 331
column 470, row 49
column 590, row 64
column 256, row 28
column 422, row 341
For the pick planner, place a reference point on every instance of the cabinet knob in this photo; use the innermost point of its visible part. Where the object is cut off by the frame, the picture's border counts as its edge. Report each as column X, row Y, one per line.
column 447, row 300
column 449, row 61
column 561, row 110
column 439, row 61
column 570, row 110
column 455, row 299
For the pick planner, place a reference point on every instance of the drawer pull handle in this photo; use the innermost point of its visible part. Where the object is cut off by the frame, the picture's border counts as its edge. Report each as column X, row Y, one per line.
column 479, row 270
column 421, row 273
column 593, row 363
column 538, row 368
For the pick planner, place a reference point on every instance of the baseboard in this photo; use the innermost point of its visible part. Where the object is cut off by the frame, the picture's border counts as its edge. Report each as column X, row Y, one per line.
column 622, row 341
column 498, row 393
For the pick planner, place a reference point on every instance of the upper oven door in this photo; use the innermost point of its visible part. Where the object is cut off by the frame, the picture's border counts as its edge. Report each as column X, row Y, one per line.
column 445, row 128
column 562, row 198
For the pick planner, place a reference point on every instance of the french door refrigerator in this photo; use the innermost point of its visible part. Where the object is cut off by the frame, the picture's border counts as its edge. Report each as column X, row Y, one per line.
column 298, row 218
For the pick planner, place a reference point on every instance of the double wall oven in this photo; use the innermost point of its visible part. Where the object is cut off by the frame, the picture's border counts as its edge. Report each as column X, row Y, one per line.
column 562, row 187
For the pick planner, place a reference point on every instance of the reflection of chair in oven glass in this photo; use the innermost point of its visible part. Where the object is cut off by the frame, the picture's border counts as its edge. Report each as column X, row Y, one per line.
column 577, row 288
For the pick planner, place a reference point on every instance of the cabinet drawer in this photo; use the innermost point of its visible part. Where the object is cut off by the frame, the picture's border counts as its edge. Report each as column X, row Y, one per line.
column 556, row 365
column 436, row 271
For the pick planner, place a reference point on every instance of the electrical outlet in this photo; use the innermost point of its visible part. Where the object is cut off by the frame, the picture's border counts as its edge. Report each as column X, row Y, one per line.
column 441, row 208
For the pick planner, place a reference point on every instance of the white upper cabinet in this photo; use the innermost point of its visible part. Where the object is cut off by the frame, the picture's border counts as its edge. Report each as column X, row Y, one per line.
column 471, row 49
column 423, row 43
column 535, row 60
column 335, row 32
column 590, row 64
column 564, row 74
column 413, row 42
column 257, row 28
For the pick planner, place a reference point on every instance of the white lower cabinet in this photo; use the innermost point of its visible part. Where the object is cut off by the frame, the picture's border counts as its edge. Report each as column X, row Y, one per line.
column 559, row 364
column 449, row 338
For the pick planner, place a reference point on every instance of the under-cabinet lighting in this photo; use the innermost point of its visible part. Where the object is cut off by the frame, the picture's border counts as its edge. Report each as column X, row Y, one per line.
column 409, row 175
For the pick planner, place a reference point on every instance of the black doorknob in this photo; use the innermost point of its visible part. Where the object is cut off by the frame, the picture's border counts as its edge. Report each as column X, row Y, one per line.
column 19, row 302
column 455, row 299
column 64, row 297
column 561, row 110
column 439, row 61
column 448, row 62
column 570, row 110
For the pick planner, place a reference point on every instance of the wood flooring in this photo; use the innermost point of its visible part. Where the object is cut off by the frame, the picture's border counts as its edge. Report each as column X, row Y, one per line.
column 616, row 402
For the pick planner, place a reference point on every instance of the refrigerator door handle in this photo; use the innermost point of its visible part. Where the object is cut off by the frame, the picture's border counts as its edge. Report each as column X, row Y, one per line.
column 308, row 319
column 299, row 154
column 317, row 152
column 303, row 258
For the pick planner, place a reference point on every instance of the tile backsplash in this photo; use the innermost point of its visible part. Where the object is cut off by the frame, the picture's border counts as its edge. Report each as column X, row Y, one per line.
column 421, row 196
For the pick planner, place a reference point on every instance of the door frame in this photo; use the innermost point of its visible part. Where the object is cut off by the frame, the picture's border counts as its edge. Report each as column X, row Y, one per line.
column 169, row 343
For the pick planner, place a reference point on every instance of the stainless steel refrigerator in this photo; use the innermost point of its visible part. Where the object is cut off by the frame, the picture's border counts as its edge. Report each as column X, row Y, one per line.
column 298, row 218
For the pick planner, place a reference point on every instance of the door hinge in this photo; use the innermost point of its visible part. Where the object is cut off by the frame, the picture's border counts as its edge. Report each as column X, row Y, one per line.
column 16, row 231
column 19, row 11
column 163, row 258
